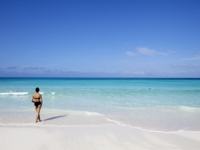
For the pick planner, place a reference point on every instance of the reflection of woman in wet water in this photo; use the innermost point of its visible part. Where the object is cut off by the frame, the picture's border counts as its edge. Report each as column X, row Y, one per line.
column 37, row 100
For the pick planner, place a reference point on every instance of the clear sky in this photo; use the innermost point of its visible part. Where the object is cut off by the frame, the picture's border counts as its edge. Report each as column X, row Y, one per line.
column 100, row 38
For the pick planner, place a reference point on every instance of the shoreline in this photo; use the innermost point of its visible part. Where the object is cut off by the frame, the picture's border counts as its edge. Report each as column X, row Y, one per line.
column 94, row 137
column 40, row 125
column 147, row 121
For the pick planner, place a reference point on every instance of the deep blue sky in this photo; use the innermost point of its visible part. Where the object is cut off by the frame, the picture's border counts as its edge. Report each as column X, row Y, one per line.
column 110, row 38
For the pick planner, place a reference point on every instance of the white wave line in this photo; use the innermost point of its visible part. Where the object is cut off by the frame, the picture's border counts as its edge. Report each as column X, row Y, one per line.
column 147, row 130
column 14, row 93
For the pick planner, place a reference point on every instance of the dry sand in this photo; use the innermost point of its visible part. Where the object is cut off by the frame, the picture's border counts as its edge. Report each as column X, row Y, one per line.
column 94, row 137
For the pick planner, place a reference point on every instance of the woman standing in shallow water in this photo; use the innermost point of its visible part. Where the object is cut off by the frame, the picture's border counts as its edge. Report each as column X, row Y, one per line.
column 37, row 100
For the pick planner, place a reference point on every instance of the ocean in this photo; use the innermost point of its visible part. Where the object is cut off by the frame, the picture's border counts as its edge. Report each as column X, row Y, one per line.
column 154, row 104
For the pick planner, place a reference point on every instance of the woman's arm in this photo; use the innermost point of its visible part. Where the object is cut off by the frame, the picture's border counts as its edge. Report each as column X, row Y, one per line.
column 32, row 99
column 41, row 98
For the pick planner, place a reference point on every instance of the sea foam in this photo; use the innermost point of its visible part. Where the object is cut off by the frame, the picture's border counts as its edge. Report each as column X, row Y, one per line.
column 14, row 93
column 186, row 108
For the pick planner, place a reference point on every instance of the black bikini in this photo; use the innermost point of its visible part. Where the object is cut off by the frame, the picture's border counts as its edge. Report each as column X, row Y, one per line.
column 37, row 103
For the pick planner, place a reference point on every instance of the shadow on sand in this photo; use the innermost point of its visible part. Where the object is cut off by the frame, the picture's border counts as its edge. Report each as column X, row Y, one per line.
column 55, row 117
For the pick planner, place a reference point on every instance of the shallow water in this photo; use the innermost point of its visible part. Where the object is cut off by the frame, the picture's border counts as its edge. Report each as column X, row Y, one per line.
column 156, row 104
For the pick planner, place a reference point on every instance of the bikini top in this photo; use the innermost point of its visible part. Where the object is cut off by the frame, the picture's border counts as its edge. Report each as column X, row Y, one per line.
column 35, row 98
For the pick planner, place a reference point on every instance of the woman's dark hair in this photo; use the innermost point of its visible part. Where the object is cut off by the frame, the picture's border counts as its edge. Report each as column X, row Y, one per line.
column 37, row 89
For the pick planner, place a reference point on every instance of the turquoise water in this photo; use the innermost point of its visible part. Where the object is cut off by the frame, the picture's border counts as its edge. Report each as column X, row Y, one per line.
column 137, row 102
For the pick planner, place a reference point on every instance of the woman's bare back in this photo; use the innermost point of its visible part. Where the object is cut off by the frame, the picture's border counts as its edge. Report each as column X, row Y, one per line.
column 37, row 97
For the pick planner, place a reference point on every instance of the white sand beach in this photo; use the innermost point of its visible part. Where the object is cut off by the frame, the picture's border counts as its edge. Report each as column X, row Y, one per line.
column 101, row 114
column 94, row 137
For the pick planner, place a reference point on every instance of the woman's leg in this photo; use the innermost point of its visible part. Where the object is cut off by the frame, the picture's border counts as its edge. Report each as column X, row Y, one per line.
column 39, row 108
column 36, row 109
